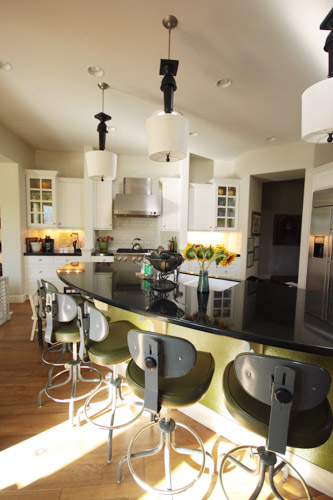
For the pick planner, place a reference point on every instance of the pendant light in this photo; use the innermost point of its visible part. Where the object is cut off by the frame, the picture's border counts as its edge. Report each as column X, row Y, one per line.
column 317, row 100
column 167, row 130
column 101, row 164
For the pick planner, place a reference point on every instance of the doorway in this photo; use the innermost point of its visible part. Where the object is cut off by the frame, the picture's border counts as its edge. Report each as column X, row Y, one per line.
column 281, row 219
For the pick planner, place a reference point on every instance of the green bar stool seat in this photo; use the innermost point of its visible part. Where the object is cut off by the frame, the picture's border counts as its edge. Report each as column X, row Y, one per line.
column 106, row 346
column 62, row 328
column 282, row 400
column 166, row 372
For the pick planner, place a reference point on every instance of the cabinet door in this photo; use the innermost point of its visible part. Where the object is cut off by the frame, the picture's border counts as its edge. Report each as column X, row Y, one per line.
column 103, row 204
column 70, row 203
column 41, row 199
column 170, row 220
column 201, row 199
column 226, row 205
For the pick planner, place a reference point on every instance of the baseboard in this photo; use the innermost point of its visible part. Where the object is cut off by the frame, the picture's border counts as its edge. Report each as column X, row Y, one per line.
column 314, row 476
column 14, row 299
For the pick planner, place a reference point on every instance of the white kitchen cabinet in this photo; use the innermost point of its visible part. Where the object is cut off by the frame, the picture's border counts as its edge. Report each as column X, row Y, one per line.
column 45, row 267
column 214, row 207
column 70, row 203
column 230, row 272
column 201, row 205
column 226, row 201
column 171, row 196
column 102, row 210
column 41, row 189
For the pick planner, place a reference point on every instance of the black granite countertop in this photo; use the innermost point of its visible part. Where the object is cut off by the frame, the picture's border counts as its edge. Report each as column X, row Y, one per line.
column 63, row 254
column 264, row 312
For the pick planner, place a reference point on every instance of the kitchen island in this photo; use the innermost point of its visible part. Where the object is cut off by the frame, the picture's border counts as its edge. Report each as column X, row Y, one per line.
column 263, row 312
column 235, row 316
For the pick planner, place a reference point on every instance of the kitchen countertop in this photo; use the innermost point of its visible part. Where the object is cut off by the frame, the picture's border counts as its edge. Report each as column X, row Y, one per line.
column 77, row 254
column 263, row 312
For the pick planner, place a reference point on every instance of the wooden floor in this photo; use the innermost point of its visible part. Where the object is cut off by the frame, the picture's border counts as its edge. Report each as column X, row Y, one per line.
column 43, row 458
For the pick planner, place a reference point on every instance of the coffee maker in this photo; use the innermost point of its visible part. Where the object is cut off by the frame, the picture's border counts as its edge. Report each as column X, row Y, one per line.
column 49, row 244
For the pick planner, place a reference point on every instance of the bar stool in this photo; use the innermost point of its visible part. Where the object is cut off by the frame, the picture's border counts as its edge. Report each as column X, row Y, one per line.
column 282, row 400
column 61, row 326
column 167, row 372
column 105, row 345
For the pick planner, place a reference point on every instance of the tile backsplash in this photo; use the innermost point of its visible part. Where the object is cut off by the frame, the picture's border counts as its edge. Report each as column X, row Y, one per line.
column 125, row 229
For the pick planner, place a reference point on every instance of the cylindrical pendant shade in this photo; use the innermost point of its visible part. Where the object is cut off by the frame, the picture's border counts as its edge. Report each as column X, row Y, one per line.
column 101, row 164
column 167, row 135
column 317, row 112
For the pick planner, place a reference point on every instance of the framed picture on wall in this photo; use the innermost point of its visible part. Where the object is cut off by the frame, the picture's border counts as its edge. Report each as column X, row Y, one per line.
column 255, row 223
column 250, row 259
column 256, row 253
column 250, row 245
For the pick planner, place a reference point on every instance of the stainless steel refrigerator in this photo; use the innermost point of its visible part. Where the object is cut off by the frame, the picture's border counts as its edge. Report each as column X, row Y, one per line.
column 320, row 263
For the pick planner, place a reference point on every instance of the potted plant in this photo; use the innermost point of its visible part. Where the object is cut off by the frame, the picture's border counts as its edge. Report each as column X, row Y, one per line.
column 104, row 242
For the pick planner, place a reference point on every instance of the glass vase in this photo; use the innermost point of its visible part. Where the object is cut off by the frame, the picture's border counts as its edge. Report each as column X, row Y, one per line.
column 203, row 283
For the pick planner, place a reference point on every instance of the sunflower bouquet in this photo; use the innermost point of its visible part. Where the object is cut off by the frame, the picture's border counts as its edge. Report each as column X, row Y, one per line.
column 207, row 255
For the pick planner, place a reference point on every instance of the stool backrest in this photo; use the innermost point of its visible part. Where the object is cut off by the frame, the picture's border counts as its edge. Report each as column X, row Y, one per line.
column 60, row 308
column 43, row 287
column 159, row 356
column 284, row 385
column 92, row 324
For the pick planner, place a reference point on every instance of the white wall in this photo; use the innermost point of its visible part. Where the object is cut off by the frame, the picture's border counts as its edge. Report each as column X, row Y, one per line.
column 16, row 156
column 68, row 163
column 255, row 196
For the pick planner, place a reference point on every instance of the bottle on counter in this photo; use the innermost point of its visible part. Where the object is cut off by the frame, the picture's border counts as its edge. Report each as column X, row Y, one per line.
column 175, row 245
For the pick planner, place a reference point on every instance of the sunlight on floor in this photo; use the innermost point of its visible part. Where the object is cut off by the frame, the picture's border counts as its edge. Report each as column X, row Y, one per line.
column 45, row 453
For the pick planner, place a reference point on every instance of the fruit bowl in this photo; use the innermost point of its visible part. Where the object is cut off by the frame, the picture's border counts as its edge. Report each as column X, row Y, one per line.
column 165, row 263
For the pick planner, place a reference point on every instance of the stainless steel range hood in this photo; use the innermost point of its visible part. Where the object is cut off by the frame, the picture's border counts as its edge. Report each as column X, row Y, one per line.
column 137, row 200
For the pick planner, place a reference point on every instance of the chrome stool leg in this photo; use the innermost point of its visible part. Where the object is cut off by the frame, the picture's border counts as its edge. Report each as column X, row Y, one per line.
column 113, row 385
column 73, row 368
column 167, row 428
column 266, row 464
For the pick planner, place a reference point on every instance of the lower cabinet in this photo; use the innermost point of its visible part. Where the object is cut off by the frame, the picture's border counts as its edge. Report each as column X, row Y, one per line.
column 231, row 271
column 45, row 267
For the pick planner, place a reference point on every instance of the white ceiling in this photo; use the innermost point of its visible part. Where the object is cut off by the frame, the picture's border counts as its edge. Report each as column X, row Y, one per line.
column 271, row 49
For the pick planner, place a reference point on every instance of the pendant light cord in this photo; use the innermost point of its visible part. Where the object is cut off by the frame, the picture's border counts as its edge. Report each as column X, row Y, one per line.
column 169, row 46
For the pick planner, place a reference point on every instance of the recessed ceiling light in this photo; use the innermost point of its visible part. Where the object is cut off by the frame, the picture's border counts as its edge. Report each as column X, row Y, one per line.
column 96, row 71
column 224, row 83
column 194, row 133
column 5, row 66
column 112, row 129
column 271, row 139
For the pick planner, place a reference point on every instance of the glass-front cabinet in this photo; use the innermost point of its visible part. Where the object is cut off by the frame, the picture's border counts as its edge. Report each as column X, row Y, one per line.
column 226, row 207
column 41, row 198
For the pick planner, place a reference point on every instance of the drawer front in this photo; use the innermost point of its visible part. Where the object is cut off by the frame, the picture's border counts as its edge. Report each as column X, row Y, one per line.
column 38, row 259
column 101, row 258
column 62, row 261
column 44, row 272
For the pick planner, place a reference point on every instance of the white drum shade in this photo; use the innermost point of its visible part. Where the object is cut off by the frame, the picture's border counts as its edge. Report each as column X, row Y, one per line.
column 167, row 134
column 101, row 164
column 317, row 111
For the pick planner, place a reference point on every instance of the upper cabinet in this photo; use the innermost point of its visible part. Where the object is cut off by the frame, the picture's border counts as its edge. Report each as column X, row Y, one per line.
column 103, row 204
column 214, row 207
column 41, row 198
column 70, row 202
column 226, row 196
column 171, row 196
column 201, row 207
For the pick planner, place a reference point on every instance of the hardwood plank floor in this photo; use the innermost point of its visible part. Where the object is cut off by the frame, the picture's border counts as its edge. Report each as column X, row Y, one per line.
column 43, row 458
